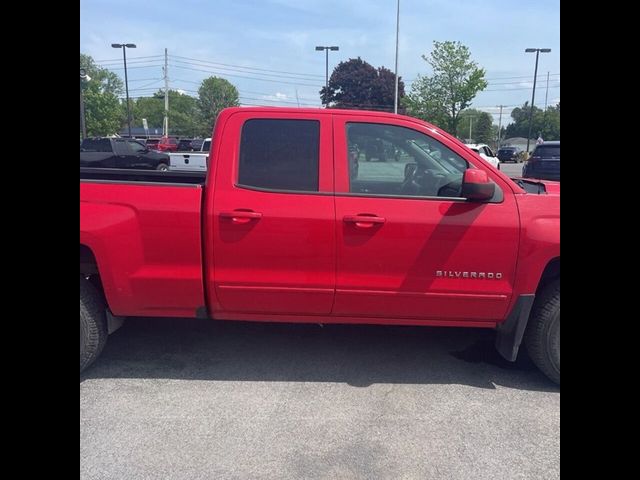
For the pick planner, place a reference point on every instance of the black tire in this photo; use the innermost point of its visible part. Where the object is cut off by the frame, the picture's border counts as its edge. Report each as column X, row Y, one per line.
column 163, row 167
column 93, row 324
column 542, row 337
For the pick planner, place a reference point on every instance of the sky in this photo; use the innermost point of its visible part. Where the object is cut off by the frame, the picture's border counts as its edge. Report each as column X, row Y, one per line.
column 266, row 48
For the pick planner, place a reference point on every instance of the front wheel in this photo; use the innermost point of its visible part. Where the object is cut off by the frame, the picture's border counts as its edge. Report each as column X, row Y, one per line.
column 542, row 337
column 162, row 167
column 93, row 323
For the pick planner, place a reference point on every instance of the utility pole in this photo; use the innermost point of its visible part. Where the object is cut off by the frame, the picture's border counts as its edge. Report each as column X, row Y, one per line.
column 499, row 126
column 166, row 95
column 297, row 99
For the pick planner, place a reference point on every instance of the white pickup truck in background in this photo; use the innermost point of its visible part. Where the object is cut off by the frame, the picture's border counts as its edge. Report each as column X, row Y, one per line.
column 191, row 161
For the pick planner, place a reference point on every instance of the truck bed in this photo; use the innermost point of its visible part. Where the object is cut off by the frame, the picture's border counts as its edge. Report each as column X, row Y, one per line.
column 144, row 230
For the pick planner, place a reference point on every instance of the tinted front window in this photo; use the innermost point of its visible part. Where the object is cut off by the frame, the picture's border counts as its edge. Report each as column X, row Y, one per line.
column 206, row 146
column 280, row 154
column 547, row 151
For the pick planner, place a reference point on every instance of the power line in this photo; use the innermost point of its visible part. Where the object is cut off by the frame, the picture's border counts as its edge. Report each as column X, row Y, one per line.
column 143, row 79
column 276, row 75
column 248, row 78
column 119, row 59
column 248, row 68
column 129, row 68
column 523, row 88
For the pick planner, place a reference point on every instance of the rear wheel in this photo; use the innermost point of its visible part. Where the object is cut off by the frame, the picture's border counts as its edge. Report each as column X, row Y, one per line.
column 93, row 323
column 542, row 337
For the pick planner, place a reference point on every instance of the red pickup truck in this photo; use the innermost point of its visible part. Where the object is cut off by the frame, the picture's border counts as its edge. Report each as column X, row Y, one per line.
column 166, row 144
column 291, row 223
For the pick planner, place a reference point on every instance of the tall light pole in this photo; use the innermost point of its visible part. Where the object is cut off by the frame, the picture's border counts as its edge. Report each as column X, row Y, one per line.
column 124, row 47
column 326, row 74
column 533, row 94
column 395, row 96
column 83, row 123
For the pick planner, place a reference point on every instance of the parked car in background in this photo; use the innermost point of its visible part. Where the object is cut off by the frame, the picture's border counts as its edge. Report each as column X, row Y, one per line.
column 166, row 144
column 510, row 154
column 121, row 153
column 194, row 160
column 152, row 143
column 196, row 144
column 544, row 162
column 184, row 145
column 485, row 152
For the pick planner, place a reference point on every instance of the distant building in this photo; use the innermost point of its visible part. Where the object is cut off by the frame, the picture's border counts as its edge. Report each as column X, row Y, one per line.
column 517, row 142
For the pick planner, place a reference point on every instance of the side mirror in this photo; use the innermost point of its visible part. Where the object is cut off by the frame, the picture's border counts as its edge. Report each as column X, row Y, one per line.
column 476, row 185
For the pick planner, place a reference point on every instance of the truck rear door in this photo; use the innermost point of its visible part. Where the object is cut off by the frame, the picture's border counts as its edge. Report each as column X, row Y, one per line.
column 271, row 223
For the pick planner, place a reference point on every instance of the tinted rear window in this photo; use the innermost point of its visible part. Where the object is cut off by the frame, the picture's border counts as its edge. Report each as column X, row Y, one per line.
column 506, row 150
column 547, row 151
column 280, row 154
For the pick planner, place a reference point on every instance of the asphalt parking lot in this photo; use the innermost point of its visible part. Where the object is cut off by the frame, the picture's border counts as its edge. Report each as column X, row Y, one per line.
column 196, row 399
column 512, row 169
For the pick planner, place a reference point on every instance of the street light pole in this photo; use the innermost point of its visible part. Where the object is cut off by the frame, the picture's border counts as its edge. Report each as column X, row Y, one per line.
column 124, row 47
column 326, row 68
column 533, row 94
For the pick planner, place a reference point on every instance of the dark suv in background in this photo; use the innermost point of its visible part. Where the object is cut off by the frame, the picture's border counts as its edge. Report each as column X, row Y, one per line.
column 509, row 154
column 184, row 145
column 544, row 162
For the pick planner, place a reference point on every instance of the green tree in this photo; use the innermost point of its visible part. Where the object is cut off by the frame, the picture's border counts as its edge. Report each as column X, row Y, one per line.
column 545, row 124
column 455, row 82
column 356, row 84
column 183, row 113
column 483, row 129
column 475, row 125
column 214, row 95
column 104, row 114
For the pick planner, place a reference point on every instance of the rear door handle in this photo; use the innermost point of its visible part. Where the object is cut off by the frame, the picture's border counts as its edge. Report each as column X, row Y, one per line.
column 364, row 220
column 241, row 216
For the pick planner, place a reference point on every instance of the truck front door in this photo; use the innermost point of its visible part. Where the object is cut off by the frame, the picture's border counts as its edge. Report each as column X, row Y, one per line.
column 271, row 226
column 407, row 245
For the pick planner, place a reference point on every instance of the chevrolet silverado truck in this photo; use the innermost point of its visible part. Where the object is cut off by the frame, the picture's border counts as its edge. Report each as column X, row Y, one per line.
column 282, row 228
